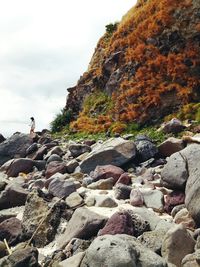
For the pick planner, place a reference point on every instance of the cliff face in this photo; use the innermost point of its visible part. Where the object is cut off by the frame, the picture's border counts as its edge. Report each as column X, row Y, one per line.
column 144, row 68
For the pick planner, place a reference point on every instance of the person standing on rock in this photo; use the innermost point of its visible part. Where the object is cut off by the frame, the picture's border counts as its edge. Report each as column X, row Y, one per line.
column 32, row 130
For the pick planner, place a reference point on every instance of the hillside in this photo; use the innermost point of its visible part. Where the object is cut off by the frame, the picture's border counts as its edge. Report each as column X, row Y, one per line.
column 143, row 69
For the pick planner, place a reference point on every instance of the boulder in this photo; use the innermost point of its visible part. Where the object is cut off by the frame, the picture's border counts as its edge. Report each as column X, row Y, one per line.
column 78, row 149
column 10, row 230
column 54, row 167
column 119, row 223
column 37, row 212
column 120, row 251
column 145, row 148
column 13, row 167
column 39, row 155
column 153, row 240
column 153, row 199
column 140, row 225
column 173, row 126
column 122, row 191
column 14, row 147
column 183, row 217
column 105, row 201
column 22, row 257
column 106, row 171
column 192, row 190
column 103, row 184
column 136, row 198
column 54, row 157
column 173, row 199
column 170, row 146
column 175, row 173
column 115, row 151
column 84, row 224
column 31, row 149
column 13, row 196
column 74, row 200
column 191, row 260
column 61, row 188
column 125, row 178
column 72, row 165
column 177, row 243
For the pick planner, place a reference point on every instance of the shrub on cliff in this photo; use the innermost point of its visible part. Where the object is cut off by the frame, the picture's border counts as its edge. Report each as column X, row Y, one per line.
column 61, row 120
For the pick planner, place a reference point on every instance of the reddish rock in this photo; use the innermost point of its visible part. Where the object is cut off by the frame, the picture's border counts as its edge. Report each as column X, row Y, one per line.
column 106, row 171
column 10, row 229
column 170, row 146
column 119, row 223
column 173, row 126
column 124, row 179
column 54, row 167
column 173, row 199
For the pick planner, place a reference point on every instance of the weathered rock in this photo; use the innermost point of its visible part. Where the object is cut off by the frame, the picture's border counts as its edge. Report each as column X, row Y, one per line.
column 54, row 167
column 103, row 184
column 174, row 199
column 191, row 260
column 78, row 149
column 183, row 217
column 14, row 147
column 10, row 230
column 106, row 171
column 83, row 224
column 136, row 198
column 170, row 146
column 177, row 244
column 56, row 150
column 61, row 188
column 153, row 199
column 115, row 151
column 105, row 201
column 119, row 223
column 23, row 257
column 74, row 200
column 153, row 240
column 175, row 173
column 145, row 148
column 173, row 126
column 36, row 210
column 13, row 196
column 176, row 209
column 15, row 166
column 75, row 246
column 120, row 251
column 140, row 225
column 122, row 191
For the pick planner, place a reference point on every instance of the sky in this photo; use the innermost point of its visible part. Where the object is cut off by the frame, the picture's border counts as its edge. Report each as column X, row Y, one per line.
column 45, row 46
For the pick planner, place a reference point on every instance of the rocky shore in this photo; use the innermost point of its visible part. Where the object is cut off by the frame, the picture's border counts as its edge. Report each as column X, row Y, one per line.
column 121, row 202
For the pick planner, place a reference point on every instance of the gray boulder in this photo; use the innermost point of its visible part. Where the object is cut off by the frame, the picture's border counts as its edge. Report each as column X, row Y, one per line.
column 83, row 224
column 177, row 243
column 175, row 173
column 61, row 188
column 145, row 148
column 78, row 149
column 115, row 151
column 120, row 251
column 14, row 147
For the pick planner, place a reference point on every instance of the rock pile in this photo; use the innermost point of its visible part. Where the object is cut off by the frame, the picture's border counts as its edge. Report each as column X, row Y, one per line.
column 108, row 203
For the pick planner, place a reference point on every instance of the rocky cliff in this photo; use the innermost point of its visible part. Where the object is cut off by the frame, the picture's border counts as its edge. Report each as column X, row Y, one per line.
column 143, row 68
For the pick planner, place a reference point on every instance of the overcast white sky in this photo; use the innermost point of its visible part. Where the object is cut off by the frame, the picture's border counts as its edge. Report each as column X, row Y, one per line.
column 45, row 46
